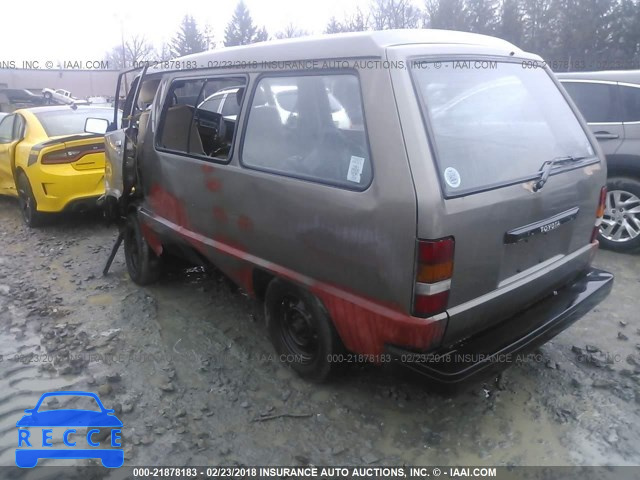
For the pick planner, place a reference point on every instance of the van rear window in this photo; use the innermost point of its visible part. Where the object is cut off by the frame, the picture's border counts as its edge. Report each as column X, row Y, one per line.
column 495, row 123
column 309, row 127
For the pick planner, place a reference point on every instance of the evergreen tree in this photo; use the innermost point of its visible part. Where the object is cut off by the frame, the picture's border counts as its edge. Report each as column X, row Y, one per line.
column 241, row 29
column 539, row 26
column 333, row 26
column 446, row 14
column 510, row 25
column 261, row 35
column 482, row 16
column 625, row 45
column 189, row 39
column 584, row 31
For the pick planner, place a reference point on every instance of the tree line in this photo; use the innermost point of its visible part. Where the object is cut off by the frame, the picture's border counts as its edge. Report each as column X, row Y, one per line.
column 569, row 34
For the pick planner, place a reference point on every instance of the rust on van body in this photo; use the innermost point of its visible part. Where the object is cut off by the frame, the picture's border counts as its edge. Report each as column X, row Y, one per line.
column 364, row 324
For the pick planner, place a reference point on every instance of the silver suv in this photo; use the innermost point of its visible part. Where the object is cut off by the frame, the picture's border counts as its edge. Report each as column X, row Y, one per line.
column 610, row 102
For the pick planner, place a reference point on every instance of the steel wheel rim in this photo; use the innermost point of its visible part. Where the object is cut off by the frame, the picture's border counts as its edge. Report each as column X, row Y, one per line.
column 621, row 220
column 297, row 330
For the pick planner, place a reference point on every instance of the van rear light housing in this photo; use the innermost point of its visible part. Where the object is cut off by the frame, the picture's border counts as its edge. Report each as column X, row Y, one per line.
column 602, row 205
column 434, row 269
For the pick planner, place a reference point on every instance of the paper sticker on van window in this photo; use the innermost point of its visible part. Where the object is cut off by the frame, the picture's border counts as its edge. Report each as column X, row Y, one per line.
column 355, row 169
column 452, row 177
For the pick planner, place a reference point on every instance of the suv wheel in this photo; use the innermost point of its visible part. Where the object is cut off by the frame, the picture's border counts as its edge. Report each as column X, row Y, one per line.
column 301, row 330
column 620, row 230
column 28, row 207
column 143, row 264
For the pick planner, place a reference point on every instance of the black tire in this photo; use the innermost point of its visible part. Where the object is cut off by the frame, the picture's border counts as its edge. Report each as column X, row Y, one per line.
column 625, row 191
column 301, row 331
column 143, row 264
column 28, row 206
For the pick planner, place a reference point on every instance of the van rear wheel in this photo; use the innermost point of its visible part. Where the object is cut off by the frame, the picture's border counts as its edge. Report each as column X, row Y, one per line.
column 143, row 264
column 620, row 229
column 301, row 330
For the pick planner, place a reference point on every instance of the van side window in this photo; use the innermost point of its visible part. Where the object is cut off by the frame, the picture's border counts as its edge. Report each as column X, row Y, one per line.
column 596, row 101
column 309, row 127
column 190, row 121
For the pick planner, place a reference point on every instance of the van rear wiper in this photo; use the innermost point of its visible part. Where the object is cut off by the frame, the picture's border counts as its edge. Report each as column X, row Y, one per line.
column 547, row 166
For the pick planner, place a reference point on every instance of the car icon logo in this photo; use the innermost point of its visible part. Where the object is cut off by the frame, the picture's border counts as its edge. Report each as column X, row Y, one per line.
column 32, row 446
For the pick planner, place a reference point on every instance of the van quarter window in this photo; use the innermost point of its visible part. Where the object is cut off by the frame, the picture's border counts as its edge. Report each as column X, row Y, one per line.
column 493, row 126
column 191, row 121
column 309, row 127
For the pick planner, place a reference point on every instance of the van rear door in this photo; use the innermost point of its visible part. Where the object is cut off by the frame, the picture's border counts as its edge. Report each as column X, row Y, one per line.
column 493, row 129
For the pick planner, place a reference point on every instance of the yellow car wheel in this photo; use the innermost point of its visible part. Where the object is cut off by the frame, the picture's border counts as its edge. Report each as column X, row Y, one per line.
column 27, row 201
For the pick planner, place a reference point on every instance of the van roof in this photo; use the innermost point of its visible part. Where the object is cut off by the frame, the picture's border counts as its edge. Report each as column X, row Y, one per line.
column 345, row 45
column 627, row 76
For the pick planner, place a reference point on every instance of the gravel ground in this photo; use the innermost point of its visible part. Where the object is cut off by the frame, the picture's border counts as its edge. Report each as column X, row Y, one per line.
column 188, row 369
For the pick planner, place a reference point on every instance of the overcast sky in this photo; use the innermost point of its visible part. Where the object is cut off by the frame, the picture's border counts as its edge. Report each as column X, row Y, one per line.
column 84, row 30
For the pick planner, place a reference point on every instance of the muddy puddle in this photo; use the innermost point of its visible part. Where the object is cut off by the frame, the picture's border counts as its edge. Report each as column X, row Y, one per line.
column 22, row 376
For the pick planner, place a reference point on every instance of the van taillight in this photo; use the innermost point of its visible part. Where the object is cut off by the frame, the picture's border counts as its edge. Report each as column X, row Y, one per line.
column 602, row 205
column 433, row 276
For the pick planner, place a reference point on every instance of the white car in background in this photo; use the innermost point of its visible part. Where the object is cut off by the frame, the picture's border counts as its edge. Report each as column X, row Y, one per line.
column 226, row 103
column 61, row 96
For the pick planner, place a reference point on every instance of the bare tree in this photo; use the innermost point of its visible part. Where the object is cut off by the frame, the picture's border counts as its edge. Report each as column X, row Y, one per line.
column 209, row 37
column 359, row 21
column 136, row 49
column 291, row 31
column 388, row 14
column 164, row 52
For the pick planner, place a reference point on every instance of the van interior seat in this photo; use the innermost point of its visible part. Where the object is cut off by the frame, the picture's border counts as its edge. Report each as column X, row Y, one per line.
column 265, row 144
column 178, row 122
column 143, row 121
column 147, row 94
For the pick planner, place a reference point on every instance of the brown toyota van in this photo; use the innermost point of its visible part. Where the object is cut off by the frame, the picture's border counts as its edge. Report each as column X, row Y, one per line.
column 426, row 196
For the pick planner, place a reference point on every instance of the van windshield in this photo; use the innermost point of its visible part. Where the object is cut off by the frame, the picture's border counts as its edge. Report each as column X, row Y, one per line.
column 494, row 123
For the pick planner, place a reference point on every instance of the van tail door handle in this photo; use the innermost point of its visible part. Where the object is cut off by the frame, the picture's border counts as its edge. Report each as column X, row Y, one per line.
column 118, row 143
column 606, row 135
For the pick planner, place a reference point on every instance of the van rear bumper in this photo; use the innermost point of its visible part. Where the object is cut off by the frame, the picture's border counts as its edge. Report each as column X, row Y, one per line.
column 500, row 345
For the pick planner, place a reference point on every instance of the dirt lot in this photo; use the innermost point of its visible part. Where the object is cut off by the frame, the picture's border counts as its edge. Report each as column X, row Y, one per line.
column 188, row 368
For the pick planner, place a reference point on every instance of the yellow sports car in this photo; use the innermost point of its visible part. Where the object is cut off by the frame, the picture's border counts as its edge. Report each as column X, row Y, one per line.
column 48, row 160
